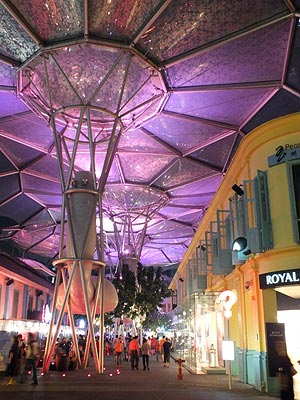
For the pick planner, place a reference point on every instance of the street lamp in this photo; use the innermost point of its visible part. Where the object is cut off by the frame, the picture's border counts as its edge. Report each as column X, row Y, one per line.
column 227, row 299
column 239, row 244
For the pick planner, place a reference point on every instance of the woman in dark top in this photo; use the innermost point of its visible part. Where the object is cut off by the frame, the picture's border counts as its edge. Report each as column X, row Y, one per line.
column 286, row 378
column 167, row 352
column 13, row 360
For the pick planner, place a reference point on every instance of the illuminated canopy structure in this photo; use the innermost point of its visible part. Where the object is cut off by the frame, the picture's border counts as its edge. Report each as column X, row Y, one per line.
column 149, row 97
column 130, row 208
column 160, row 92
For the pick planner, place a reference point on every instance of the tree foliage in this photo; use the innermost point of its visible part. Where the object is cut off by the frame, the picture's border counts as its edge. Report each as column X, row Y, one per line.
column 155, row 320
column 140, row 294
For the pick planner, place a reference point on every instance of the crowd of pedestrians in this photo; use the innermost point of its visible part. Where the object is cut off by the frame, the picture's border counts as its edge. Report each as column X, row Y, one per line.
column 22, row 357
column 24, row 354
column 130, row 349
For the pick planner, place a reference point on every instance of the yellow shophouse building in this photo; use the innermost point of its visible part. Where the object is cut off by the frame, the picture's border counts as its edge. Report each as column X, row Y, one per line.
column 257, row 205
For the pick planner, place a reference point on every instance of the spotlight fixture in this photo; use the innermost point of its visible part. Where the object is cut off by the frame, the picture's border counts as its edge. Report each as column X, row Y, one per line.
column 39, row 293
column 181, row 280
column 239, row 244
column 202, row 247
column 237, row 189
column 9, row 281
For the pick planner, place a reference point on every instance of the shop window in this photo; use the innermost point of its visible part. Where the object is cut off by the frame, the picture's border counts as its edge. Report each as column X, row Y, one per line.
column 30, row 303
column 294, row 192
column 40, row 304
column 174, row 299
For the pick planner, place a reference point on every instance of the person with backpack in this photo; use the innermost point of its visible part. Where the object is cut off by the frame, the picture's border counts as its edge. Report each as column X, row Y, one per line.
column 30, row 358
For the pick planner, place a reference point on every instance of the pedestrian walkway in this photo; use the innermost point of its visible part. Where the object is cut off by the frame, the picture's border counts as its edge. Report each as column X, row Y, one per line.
column 122, row 383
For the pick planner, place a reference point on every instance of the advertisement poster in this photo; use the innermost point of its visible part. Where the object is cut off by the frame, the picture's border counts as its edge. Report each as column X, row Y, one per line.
column 275, row 334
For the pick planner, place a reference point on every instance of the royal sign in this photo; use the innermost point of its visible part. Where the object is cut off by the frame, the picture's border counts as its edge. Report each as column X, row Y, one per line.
column 279, row 278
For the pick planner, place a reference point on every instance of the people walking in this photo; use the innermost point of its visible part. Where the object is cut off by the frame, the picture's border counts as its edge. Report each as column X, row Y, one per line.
column 30, row 359
column 118, row 349
column 153, row 345
column 22, row 352
column 286, row 371
column 145, row 353
column 167, row 352
column 13, row 360
column 158, row 349
column 133, row 350
column 161, row 342
column 286, row 377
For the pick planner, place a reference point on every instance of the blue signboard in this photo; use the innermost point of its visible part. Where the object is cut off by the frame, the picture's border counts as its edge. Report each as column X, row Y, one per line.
column 284, row 154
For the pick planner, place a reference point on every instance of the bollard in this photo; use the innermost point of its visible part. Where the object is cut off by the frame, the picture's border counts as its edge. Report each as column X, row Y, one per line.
column 179, row 362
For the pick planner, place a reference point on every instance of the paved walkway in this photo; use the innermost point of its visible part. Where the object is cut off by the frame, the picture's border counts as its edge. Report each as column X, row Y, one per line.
column 158, row 383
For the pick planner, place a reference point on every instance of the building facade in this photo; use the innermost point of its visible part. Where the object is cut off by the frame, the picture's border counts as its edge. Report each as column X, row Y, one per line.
column 258, row 204
column 26, row 293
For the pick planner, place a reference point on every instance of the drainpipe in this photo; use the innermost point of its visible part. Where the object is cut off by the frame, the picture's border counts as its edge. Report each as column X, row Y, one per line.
column 256, row 295
column 243, row 314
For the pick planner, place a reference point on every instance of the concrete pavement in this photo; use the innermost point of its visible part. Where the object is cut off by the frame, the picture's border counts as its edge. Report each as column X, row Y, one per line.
column 122, row 383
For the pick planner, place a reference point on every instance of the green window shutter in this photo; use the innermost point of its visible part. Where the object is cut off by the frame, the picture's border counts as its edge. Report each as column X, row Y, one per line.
column 208, row 252
column 211, row 239
column 201, row 258
column 237, row 208
column 224, row 232
column 190, row 278
column 258, row 227
column 224, row 229
column 201, row 266
column 263, row 209
column 221, row 255
column 253, row 231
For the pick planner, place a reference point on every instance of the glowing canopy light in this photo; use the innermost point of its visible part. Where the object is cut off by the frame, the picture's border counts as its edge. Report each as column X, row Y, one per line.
column 92, row 87
column 130, row 208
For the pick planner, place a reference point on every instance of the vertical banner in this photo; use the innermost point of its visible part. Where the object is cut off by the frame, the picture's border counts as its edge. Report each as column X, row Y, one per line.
column 275, row 335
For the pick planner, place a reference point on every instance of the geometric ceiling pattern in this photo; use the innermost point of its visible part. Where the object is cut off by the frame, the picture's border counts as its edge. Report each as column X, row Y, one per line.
column 200, row 75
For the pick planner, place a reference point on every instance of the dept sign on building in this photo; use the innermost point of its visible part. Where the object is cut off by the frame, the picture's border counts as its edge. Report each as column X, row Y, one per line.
column 279, row 278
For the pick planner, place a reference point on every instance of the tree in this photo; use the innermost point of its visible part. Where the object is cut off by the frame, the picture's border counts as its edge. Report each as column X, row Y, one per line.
column 155, row 320
column 140, row 294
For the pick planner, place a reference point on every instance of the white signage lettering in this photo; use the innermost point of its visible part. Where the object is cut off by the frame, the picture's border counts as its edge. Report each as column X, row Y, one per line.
column 285, row 277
